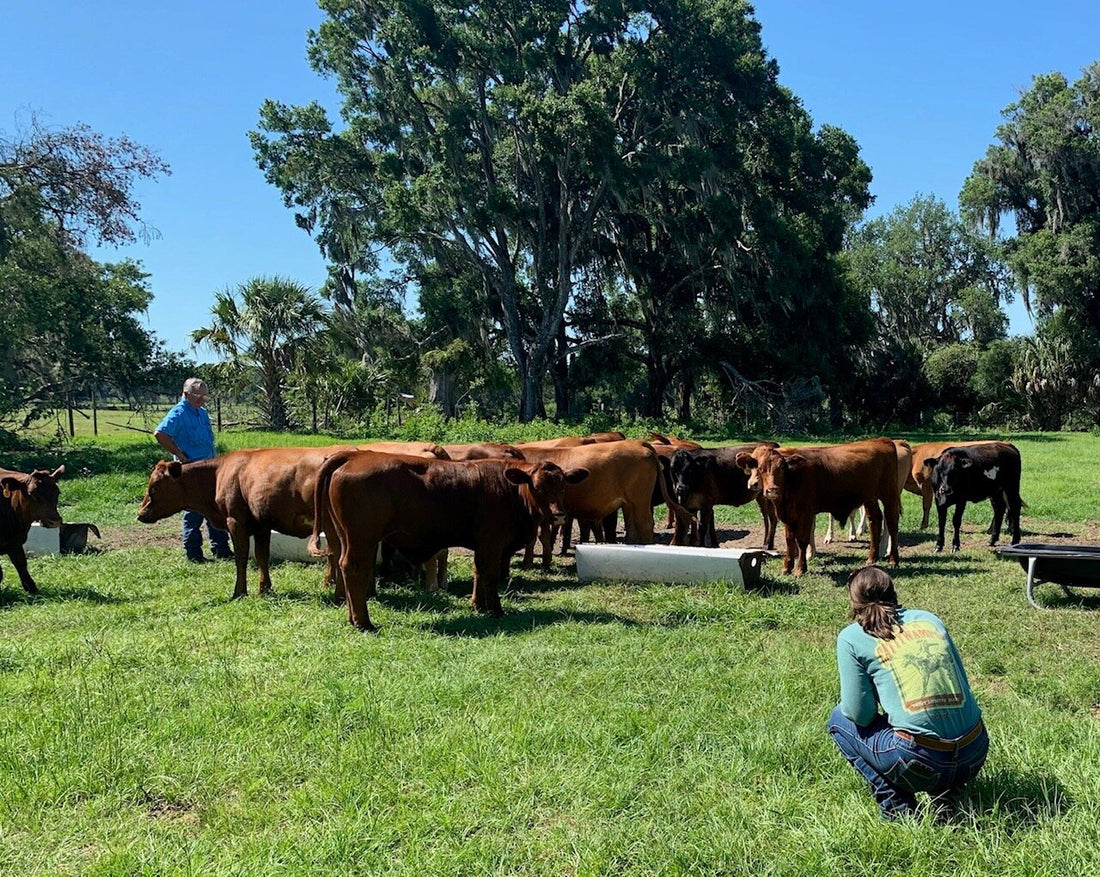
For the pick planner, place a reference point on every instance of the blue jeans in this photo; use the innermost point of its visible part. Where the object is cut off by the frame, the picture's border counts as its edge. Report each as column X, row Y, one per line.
column 897, row 769
column 192, row 536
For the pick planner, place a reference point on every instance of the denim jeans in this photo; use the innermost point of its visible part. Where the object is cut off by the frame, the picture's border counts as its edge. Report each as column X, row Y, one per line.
column 192, row 536
column 897, row 769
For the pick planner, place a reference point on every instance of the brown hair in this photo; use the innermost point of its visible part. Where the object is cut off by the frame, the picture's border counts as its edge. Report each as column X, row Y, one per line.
column 874, row 601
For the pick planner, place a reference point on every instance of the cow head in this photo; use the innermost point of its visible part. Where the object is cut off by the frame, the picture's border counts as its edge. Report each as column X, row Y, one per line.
column 36, row 495
column 948, row 474
column 768, row 470
column 688, row 473
column 543, row 487
column 165, row 494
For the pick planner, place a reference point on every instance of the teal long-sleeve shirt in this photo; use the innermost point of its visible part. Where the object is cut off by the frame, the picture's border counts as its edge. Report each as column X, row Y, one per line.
column 917, row 678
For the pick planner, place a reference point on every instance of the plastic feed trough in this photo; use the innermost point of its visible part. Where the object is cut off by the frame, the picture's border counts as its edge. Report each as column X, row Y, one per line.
column 1066, row 565
column 668, row 563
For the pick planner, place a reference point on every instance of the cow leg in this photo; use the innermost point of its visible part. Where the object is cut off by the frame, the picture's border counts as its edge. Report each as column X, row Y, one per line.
column 860, row 528
column 998, row 503
column 638, row 520
column 547, row 534
column 810, row 547
column 956, row 522
column 487, row 576
column 357, row 569
column 926, row 505
column 771, row 521
column 1015, row 506
column 19, row 561
column 941, row 514
column 611, row 526
column 828, row 530
column 263, row 558
column 803, row 538
column 567, row 534
column 792, row 549
column 874, row 517
column 529, row 550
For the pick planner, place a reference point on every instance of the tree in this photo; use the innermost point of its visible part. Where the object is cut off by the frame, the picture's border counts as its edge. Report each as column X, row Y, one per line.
column 1044, row 173
column 268, row 324
column 928, row 278
column 506, row 140
column 66, row 321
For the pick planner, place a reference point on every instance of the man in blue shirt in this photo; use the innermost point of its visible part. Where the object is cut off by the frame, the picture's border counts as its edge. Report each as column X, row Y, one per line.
column 186, row 434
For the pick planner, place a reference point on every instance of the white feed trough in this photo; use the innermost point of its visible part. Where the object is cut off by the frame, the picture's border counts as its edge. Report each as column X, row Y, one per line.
column 285, row 547
column 43, row 540
column 669, row 563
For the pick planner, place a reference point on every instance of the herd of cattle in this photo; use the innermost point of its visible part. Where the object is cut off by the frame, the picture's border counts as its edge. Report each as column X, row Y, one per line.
column 419, row 499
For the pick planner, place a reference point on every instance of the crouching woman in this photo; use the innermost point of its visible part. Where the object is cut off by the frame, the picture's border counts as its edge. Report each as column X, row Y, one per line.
column 929, row 736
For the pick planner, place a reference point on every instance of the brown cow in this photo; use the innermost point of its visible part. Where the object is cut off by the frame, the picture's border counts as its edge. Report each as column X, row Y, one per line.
column 483, row 451
column 905, row 464
column 919, row 480
column 26, row 498
column 492, row 507
column 611, row 436
column 802, row 482
column 248, row 492
column 622, row 475
column 417, row 449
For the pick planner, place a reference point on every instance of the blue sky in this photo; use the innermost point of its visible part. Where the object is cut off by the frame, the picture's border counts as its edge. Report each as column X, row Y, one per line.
column 920, row 87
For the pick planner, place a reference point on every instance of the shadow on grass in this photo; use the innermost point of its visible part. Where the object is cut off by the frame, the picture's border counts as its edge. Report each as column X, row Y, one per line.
column 1017, row 800
column 1052, row 596
column 11, row 597
column 522, row 621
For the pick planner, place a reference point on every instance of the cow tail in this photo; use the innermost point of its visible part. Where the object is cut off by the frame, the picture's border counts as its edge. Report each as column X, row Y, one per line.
column 322, row 506
column 663, row 480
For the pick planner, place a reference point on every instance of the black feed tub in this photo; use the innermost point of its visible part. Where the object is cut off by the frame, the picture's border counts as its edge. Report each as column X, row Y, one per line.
column 1066, row 565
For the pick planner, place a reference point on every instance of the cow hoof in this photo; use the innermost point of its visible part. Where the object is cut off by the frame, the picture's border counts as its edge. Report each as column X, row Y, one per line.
column 238, row 594
column 938, row 549
column 32, row 588
column 366, row 628
column 955, row 549
column 267, row 592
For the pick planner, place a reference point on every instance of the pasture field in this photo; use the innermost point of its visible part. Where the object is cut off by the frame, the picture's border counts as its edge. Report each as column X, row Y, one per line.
column 152, row 726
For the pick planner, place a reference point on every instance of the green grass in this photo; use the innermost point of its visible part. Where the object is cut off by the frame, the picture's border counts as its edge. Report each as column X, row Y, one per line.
column 151, row 726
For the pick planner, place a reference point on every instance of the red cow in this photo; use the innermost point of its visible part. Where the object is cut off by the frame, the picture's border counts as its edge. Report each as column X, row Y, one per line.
column 802, row 482
column 420, row 506
column 26, row 499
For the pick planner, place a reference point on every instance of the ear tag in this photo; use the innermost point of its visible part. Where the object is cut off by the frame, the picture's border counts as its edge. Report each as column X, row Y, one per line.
column 7, row 493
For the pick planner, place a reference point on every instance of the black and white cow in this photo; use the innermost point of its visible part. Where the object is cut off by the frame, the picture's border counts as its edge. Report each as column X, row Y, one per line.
column 972, row 474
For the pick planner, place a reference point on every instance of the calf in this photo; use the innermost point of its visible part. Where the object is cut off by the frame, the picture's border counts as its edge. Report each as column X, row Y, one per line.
column 919, row 479
column 702, row 479
column 905, row 466
column 26, row 498
column 623, row 475
column 970, row 474
column 493, row 507
column 803, row 482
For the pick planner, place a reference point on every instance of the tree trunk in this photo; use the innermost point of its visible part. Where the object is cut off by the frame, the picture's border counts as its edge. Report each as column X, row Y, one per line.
column 687, row 384
column 441, row 392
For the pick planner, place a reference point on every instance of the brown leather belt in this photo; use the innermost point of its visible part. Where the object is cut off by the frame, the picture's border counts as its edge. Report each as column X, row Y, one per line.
column 943, row 745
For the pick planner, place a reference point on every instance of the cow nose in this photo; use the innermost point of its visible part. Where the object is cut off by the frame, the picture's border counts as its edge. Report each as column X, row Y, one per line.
column 772, row 493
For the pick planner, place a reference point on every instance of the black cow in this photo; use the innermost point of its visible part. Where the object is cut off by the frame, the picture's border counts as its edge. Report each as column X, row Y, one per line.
column 702, row 479
column 971, row 474
column 26, row 498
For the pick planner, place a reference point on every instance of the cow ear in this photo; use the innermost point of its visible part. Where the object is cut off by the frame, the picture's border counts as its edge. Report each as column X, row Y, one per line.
column 966, row 462
column 795, row 461
column 745, row 461
column 517, row 476
column 575, row 476
column 175, row 468
column 9, row 484
column 58, row 472
column 930, row 462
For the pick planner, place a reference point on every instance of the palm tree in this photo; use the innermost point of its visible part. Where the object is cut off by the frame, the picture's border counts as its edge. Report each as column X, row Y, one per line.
column 267, row 323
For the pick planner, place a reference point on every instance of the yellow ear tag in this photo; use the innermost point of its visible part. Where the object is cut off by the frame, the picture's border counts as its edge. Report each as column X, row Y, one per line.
column 7, row 493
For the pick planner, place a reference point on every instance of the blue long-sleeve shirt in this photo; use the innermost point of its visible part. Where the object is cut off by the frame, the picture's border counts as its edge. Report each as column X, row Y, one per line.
column 917, row 678
column 190, row 429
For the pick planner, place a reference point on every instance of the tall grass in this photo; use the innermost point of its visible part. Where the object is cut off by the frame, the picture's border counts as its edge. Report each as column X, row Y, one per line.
column 151, row 726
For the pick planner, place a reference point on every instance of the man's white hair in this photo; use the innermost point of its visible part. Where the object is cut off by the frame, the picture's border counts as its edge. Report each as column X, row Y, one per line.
column 194, row 384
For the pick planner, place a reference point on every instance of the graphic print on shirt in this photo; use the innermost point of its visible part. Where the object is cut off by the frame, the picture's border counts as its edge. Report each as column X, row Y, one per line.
column 923, row 668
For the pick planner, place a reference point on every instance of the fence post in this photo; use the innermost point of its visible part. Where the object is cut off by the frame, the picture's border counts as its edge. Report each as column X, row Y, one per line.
column 95, row 414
